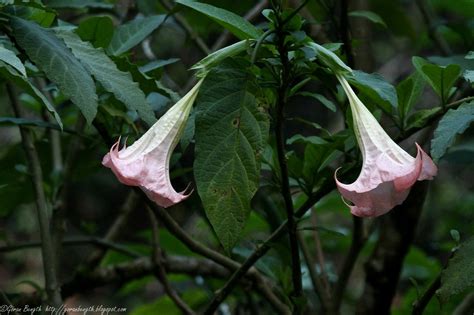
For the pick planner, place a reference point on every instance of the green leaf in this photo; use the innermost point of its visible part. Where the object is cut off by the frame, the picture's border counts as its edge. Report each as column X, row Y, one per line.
column 13, row 75
column 60, row 66
column 454, row 122
column 9, row 57
column 316, row 158
column 322, row 99
column 369, row 15
column 157, row 64
column 420, row 118
column 223, row 53
column 230, row 135
column 79, row 4
column 440, row 78
column 6, row 121
column 234, row 23
column 128, row 35
column 329, row 59
column 408, row 92
column 375, row 87
column 112, row 79
column 458, row 277
column 33, row 11
column 97, row 29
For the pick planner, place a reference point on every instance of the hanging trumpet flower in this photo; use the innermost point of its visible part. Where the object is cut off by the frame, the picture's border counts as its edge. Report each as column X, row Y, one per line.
column 388, row 172
column 146, row 162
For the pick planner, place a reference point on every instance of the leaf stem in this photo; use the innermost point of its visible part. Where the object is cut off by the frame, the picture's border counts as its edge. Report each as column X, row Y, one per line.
column 47, row 250
column 346, row 33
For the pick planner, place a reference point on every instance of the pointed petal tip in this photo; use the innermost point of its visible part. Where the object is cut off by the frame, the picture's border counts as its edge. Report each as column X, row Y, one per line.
column 429, row 170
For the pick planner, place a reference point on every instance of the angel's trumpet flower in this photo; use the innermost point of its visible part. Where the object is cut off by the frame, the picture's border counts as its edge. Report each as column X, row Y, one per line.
column 388, row 172
column 146, row 162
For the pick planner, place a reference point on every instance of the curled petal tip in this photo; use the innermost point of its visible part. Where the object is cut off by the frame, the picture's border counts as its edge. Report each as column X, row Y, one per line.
column 428, row 170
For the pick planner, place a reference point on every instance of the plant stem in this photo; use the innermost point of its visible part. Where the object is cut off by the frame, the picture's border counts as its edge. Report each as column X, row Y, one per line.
column 280, row 145
column 346, row 33
column 99, row 242
column 115, row 228
column 320, row 288
column 58, row 220
column 157, row 259
column 420, row 304
column 47, row 249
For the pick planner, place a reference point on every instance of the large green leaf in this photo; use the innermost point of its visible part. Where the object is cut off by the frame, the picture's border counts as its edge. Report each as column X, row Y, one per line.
column 12, row 75
column 454, row 122
column 458, row 277
column 128, row 35
column 97, row 29
column 59, row 64
column 112, row 79
column 375, row 87
column 230, row 135
column 9, row 57
column 409, row 91
column 440, row 78
column 234, row 23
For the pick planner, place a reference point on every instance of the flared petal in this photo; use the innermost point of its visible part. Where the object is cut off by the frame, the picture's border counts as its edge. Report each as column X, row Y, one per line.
column 388, row 172
column 146, row 162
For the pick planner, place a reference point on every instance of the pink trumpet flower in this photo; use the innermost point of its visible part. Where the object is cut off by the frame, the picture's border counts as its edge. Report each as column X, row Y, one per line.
column 146, row 162
column 388, row 172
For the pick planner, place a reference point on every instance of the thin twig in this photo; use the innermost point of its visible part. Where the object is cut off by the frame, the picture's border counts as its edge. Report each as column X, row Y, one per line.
column 116, row 228
column 101, row 243
column 47, row 250
column 58, row 215
column 420, row 304
column 323, row 292
column 157, row 259
column 319, row 252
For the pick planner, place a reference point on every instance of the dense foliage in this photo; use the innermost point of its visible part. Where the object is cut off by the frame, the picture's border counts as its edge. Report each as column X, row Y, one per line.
column 272, row 100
